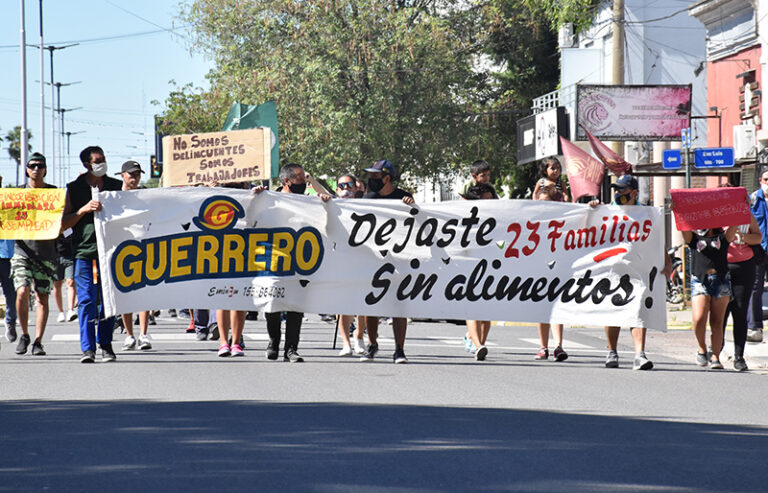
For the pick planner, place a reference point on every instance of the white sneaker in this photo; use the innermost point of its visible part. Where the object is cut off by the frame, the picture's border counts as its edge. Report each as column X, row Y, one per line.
column 755, row 335
column 359, row 346
column 144, row 342
column 129, row 343
column 61, row 318
column 346, row 351
column 71, row 315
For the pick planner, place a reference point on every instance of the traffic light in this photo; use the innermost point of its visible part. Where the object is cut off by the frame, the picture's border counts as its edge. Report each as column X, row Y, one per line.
column 156, row 169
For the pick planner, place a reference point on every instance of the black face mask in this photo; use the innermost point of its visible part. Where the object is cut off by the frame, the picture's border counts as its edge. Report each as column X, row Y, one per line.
column 298, row 187
column 375, row 184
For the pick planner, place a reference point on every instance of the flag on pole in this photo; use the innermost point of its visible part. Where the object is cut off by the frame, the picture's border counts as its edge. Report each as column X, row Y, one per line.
column 585, row 173
column 615, row 163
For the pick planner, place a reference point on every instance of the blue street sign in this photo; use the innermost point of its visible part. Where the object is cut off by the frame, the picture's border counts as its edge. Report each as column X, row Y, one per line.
column 671, row 159
column 714, row 157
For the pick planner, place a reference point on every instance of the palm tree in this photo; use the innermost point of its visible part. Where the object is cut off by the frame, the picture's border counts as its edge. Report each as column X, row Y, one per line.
column 14, row 146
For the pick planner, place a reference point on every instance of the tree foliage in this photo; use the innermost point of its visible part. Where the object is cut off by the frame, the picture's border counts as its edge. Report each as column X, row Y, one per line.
column 14, row 143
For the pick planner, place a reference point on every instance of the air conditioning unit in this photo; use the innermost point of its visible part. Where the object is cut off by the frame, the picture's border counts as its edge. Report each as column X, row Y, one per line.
column 565, row 37
column 744, row 142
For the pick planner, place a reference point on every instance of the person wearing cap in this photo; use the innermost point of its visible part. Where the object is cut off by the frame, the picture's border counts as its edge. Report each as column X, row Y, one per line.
column 79, row 207
column 131, row 174
column 626, row 193
column 381, row 178
column 33, row 264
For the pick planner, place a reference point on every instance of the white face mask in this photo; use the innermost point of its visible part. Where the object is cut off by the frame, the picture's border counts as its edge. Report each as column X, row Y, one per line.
column 764, row 186
column 99, row 169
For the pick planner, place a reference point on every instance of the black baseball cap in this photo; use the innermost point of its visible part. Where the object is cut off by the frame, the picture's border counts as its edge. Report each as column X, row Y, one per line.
column 130, row 166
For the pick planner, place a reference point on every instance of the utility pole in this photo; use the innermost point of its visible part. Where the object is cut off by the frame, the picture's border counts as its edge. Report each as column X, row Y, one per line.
column 23, row 137
column 51, row 49
column 63, row 133
column 42, row 84
column 65, row 177
column 618, row 55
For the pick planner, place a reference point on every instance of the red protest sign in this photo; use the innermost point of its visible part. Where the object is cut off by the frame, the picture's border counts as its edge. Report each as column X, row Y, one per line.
column 704, row 208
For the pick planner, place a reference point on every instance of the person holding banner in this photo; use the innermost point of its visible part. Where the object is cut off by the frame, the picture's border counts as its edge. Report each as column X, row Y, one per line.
column 381, row 177
column 34, row 264
column 551, row 175
column 79, row 207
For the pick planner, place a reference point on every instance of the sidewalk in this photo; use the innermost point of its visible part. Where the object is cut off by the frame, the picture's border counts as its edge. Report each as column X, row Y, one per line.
column 755, row 353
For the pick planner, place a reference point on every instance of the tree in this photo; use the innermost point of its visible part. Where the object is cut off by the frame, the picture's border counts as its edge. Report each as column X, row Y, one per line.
column 14, row 143
column 354, row 81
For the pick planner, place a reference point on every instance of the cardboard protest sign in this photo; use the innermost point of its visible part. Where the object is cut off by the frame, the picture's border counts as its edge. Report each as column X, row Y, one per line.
column 231, row 156
column 522, row 260
column 704, row 208
column 31, row 213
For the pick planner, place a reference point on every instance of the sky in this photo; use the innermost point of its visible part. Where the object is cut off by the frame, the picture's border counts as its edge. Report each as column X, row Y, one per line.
column 128, row 53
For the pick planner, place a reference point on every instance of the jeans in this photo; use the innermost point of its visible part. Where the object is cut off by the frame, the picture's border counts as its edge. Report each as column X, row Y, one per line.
column 755, row 311
column 90, row 311
column 8, row 291
column 203, row 319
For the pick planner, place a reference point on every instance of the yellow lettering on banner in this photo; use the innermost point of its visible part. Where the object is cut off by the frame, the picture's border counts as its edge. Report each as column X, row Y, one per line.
column 282, row 244
column 207, row 246
column 178, row 255
column 314, row 251
column 256, row 248
column 229, row 253
column 157, row 260
column 134, row 276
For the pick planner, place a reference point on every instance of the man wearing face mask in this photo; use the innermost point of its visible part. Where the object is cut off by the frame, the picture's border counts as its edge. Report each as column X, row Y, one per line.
column 755, row 310
column 78, row 215
column 381, row 178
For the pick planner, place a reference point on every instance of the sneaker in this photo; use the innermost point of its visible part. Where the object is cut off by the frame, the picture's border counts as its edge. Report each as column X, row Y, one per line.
column 151, row 320
column 172, row 312
column 213, row 330
column 346, row 351
column 559, row 354
column 715, row 364
column 21, row 348
column 542, row 354
column 190, row 327
column 370, row 352
column 71, row 315
column 612, row 360
column 739, row 364
column 292, row 356
column 61, row 318
column 399, row 357
column 359, row 346
column 202, row 335
column 755, row 335
column 273, row 349
column 129, row 343
column 237, row 350
column 37, row 348
column 184, row 313
column 481, row 353
column 88, row 357
column 469, row 346
column 107, row 354
column 145, row 342
column 224, row 350
column 702, row 359
column 10, row 331
column 641, row 362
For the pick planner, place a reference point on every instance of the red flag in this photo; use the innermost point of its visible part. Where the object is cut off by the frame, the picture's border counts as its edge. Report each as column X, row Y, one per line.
column 585, row 173
column 615, row 163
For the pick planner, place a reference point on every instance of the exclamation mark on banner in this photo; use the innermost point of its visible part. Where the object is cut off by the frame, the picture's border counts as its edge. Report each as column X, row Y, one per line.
column 651, row 278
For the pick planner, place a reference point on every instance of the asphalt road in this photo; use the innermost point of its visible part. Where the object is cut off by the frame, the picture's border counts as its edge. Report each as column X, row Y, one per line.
column 178, row 418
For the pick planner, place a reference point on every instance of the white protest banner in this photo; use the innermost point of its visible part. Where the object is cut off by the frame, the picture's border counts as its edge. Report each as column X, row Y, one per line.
column 231, row 156
column 512, row 260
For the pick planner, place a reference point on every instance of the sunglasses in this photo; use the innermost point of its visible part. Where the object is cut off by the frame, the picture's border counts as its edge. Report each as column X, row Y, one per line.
column 346, row 184
column 36, row 166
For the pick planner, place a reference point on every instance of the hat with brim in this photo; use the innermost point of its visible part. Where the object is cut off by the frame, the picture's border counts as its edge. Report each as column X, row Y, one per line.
column 382, row 166
column 625, row 181
column 130, row 167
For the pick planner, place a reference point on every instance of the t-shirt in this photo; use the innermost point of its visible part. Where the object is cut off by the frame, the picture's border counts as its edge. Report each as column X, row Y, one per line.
column 37, row 249
column 708, row 252
column 84, row 233
column 472, row 183
column 740, row 252
column 396, row 194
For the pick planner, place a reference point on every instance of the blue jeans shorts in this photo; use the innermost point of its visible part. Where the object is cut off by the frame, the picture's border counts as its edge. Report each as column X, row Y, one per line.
column 712, row 285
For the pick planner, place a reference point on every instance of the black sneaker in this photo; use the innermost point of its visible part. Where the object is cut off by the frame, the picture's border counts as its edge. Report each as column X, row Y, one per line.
column 201, row 335
column 21, row 348
column 107, row 354
column 88, row 357
column 292, row 356
column 399, row 357
column 739, row 364
column 151, row 320
column 370, row 352
column 213, row 330
column 273, row 349
column 37, row 349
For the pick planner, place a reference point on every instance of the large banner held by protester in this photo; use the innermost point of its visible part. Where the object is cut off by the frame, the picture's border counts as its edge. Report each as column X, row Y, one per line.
column 31, row 213
column 704, row 208
column 231, row 156
column 512, row 260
